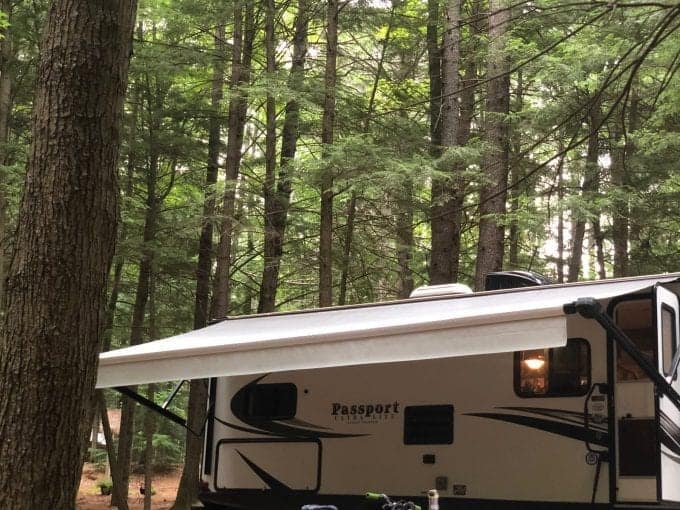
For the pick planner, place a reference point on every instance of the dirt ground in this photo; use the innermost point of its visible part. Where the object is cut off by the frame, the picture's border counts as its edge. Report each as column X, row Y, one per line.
column 164, row 485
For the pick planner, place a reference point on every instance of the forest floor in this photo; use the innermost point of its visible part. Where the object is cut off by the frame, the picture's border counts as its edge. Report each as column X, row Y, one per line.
column 164, row 486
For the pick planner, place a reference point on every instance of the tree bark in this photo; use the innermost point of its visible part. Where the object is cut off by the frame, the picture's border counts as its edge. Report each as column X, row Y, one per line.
column 405, row 241
column 327, row 135
column 277, row 216
column 589, row 189
column 149, row 431
column 153, row 103
column 493, row 194
column 273, row 236
column 242, row 50
column 621, row 182
column 6, row 60
column 446, row 201
column 51, row 334
column 560, row 218
column 198, row 395
column 517, row 175
column 111, row 451
column 434, row 57
column 149, row 415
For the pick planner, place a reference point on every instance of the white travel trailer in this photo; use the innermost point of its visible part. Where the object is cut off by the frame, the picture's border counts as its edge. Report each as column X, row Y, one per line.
column 549, row 396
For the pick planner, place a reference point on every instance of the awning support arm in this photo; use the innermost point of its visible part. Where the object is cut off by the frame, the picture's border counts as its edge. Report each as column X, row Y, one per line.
column 590, row 308
column 161, row 409
column 173, row 394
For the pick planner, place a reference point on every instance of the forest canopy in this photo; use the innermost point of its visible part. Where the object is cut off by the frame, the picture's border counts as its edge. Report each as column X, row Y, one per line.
column 281, row 155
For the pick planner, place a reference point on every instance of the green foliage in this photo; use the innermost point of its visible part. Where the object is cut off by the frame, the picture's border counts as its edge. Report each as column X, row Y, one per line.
column 566, row 58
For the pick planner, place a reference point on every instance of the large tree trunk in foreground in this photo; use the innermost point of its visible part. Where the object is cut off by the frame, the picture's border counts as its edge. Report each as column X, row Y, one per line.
column 495, row 166
column 65, row 239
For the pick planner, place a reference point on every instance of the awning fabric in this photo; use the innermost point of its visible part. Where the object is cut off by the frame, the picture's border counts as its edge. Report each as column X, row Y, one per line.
column 440, row 327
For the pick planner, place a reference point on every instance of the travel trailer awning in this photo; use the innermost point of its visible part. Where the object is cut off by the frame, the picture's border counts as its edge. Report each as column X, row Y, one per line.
column 418, row 329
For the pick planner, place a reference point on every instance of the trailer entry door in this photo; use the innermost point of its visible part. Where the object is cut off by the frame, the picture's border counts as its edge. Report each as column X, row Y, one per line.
column 668, row 415
column 637, row 462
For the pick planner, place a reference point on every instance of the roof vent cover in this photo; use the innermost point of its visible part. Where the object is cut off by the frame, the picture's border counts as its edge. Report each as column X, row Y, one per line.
column 446, row 289
column 513, row 279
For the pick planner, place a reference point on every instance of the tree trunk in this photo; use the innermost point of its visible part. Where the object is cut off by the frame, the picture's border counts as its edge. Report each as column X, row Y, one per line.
column 560, row 218
column 153, row 205
column 242, row 50
column 404, row 223
column 493, row 194
column 517, row 175
column 347, row 248
column 446, row 201
column 277, row 216
column 6, row 59
column 55, row 294
column 621, row 183
column 351, row 209
column 272, row 235
column 111, row 451
column 149, row 430
column 434, row 57
column 149, row 415
column 198, row 394
column 327, row 130
column 589, row 188
column 598, row 240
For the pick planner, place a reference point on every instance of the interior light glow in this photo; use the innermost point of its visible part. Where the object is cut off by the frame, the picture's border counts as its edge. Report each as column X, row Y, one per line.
column 534, row 363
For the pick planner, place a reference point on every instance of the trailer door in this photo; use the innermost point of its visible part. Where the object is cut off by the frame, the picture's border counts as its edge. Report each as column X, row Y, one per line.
column 667, row 307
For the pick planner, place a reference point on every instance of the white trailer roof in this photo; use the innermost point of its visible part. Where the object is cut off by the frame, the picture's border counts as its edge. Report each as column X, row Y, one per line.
column 481, row 323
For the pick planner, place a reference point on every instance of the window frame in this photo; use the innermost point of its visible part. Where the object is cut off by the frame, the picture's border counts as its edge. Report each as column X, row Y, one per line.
column 582, row 392
column 674, row 340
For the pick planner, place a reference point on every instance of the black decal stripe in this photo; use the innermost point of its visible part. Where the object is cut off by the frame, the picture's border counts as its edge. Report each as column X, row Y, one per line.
column 273, row 483
column 273, row 428
column 295, row 421
column 243, row 429
column 560, row 414
column 670, row 433
column 551, row 426
column 672, row 457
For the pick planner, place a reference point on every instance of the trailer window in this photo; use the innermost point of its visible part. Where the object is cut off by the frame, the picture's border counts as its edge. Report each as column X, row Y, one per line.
column 559, row 372
column 635, row 318
column 270, row 401
column 428, row 424
column 668, row 340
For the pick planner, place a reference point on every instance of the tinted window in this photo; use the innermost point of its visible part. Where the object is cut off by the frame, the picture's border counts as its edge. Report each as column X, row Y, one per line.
column 558, row 372
column 428, row 424
column 668, row 340
column 270, row 401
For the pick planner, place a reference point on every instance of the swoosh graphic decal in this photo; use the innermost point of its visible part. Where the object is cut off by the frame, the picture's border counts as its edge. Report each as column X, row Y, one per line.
column 560, row 414
column 295, row 421
column 273, row 483
column 242, row 429
column 670, row 433
column 271, row 427
column 554, row 427
column 672, row 457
